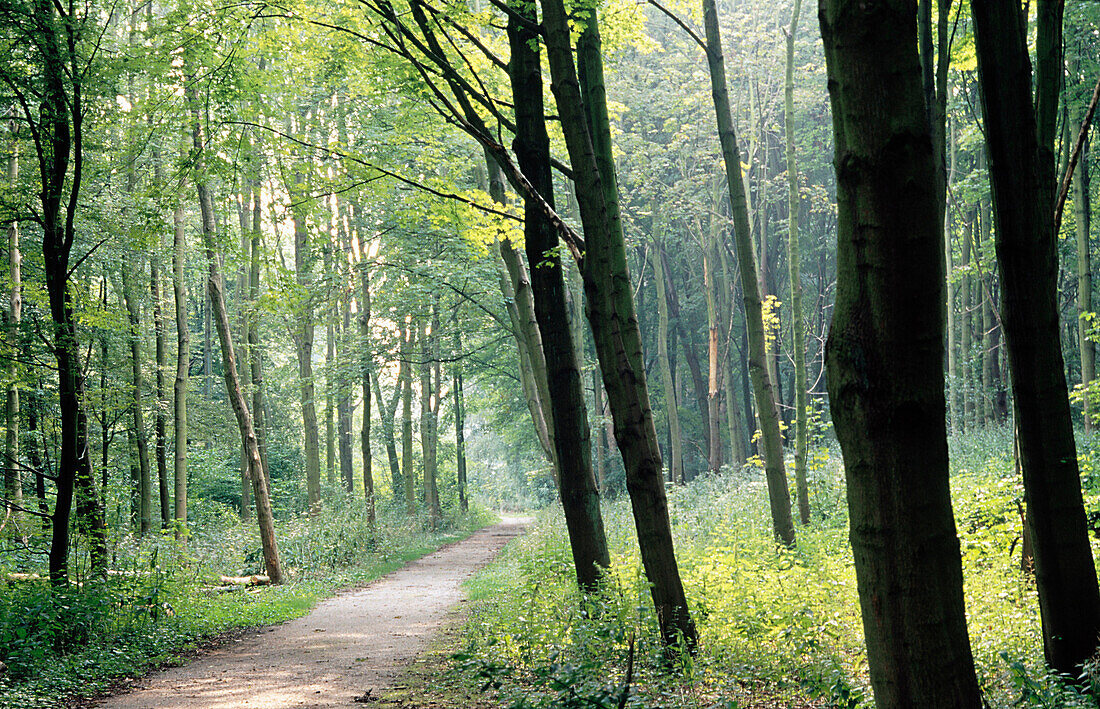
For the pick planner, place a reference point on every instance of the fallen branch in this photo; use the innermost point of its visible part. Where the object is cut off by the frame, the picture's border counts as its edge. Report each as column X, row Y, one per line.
column 254, row 580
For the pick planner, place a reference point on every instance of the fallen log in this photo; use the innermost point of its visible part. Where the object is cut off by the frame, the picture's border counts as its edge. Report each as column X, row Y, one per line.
column 254, row 580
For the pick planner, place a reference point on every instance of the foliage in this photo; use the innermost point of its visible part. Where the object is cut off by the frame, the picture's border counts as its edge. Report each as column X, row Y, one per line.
column 159, row 600
column 775, row 625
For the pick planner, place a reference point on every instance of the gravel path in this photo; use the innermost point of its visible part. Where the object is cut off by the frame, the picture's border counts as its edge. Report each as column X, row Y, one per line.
column 345, row 652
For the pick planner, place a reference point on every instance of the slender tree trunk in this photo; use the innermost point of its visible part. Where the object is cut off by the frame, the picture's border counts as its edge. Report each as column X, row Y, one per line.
column 965, row 342
column 676, row 456
column 408, row 471
column 215, row 287
column 387, row 412
column 569, row 420
column 133, row 310
column 160, row 419
column 59, row 120
column 794, row 258
column 763, row 386
column 183, row 364
column 13, row 483
column 365, row 358
column 330, row 388
column 428, row 394
column 714, row 454
column 738, row 440
column 586, row 127
column 303, row 268
column 884, row 361
column 460, row 422
column 1082, row 216
column 1021, row 167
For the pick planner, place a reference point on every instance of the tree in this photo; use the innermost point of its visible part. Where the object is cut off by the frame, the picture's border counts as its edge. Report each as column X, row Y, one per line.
column 762, row 382
column 884, row 361
column 1020, row 142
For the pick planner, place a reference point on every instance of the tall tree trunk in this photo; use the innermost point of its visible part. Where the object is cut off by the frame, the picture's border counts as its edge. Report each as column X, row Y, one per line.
column 763, row 386
column 215, row 287
column 344, row 408
column 365, row 358
column 428, row 394
column 133, row 310
column 160, row 419
column 13, row 483
column 387, row 412
column 884, row 361
column 304, row 258
column 738, row 440
column 714, row 453
column 183, row 368
column 460, row 422
column 1021, row 167
column 59, row 120
column 408, row 471
column 676, row 456
column 586, row 127
column 1082, row 216
column 965, row 340
column 569, row 419
column 330, row 389
column 794, row 258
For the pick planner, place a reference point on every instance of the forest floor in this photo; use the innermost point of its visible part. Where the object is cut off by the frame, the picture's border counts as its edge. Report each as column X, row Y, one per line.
column 352, row 649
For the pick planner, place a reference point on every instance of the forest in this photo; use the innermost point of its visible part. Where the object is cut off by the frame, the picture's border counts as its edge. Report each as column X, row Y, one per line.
column 781, row 330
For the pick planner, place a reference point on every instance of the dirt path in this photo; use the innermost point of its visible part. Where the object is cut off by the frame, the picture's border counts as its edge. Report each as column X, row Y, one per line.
column 352, row 645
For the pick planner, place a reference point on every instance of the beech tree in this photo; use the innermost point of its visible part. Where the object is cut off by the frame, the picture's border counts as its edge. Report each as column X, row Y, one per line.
column 884, row 361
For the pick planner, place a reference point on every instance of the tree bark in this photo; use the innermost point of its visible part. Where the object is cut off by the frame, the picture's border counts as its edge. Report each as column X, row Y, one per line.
column 460, row 423
column 884, row 361
column 13, row 483
column 794, row 258
column 133, row 310
column 676, row 456
column 183, row 371
column 569, row 418
column 586, row 127
column 304, row 258
column 408, row 472
column 763, row 386
column 1021, row 162
column 215, row 287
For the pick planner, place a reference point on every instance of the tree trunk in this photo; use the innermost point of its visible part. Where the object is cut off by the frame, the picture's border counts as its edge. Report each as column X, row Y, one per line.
column 460, row 422
column 794, row 257
column 215, row 287
column 183, row 371
column 586, row 127
column 13, row 483
column 1021, row 167
column 676, row 456
column 387, row 412
column 428, row 394
column 884, row 361
column 160, row 420
column 1082, row 216
column 303, row 269
column 59, row 120
column 714, row 453
column 965, row 343
column 408, row 472
column 365, row 358
column 763, row 386
column 569, row 419
column 133, row 310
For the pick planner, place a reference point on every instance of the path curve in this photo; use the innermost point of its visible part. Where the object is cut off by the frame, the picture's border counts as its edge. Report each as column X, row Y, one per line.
column 351, row 645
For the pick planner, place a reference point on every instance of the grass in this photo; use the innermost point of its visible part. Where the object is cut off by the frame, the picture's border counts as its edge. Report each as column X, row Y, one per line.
column 777, row 628
column 63, row 644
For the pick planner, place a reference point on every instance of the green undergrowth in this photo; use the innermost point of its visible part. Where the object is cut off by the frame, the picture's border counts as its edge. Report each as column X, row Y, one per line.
column 163, row 598
column 777, row 628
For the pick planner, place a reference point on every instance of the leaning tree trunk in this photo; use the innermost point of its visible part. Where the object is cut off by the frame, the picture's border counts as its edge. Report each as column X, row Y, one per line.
column 215, row 286
column 1021, row 168
column 569, row 418
column 762, row 384
column 884, row 361
column 794, row 258
column 586, row 127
